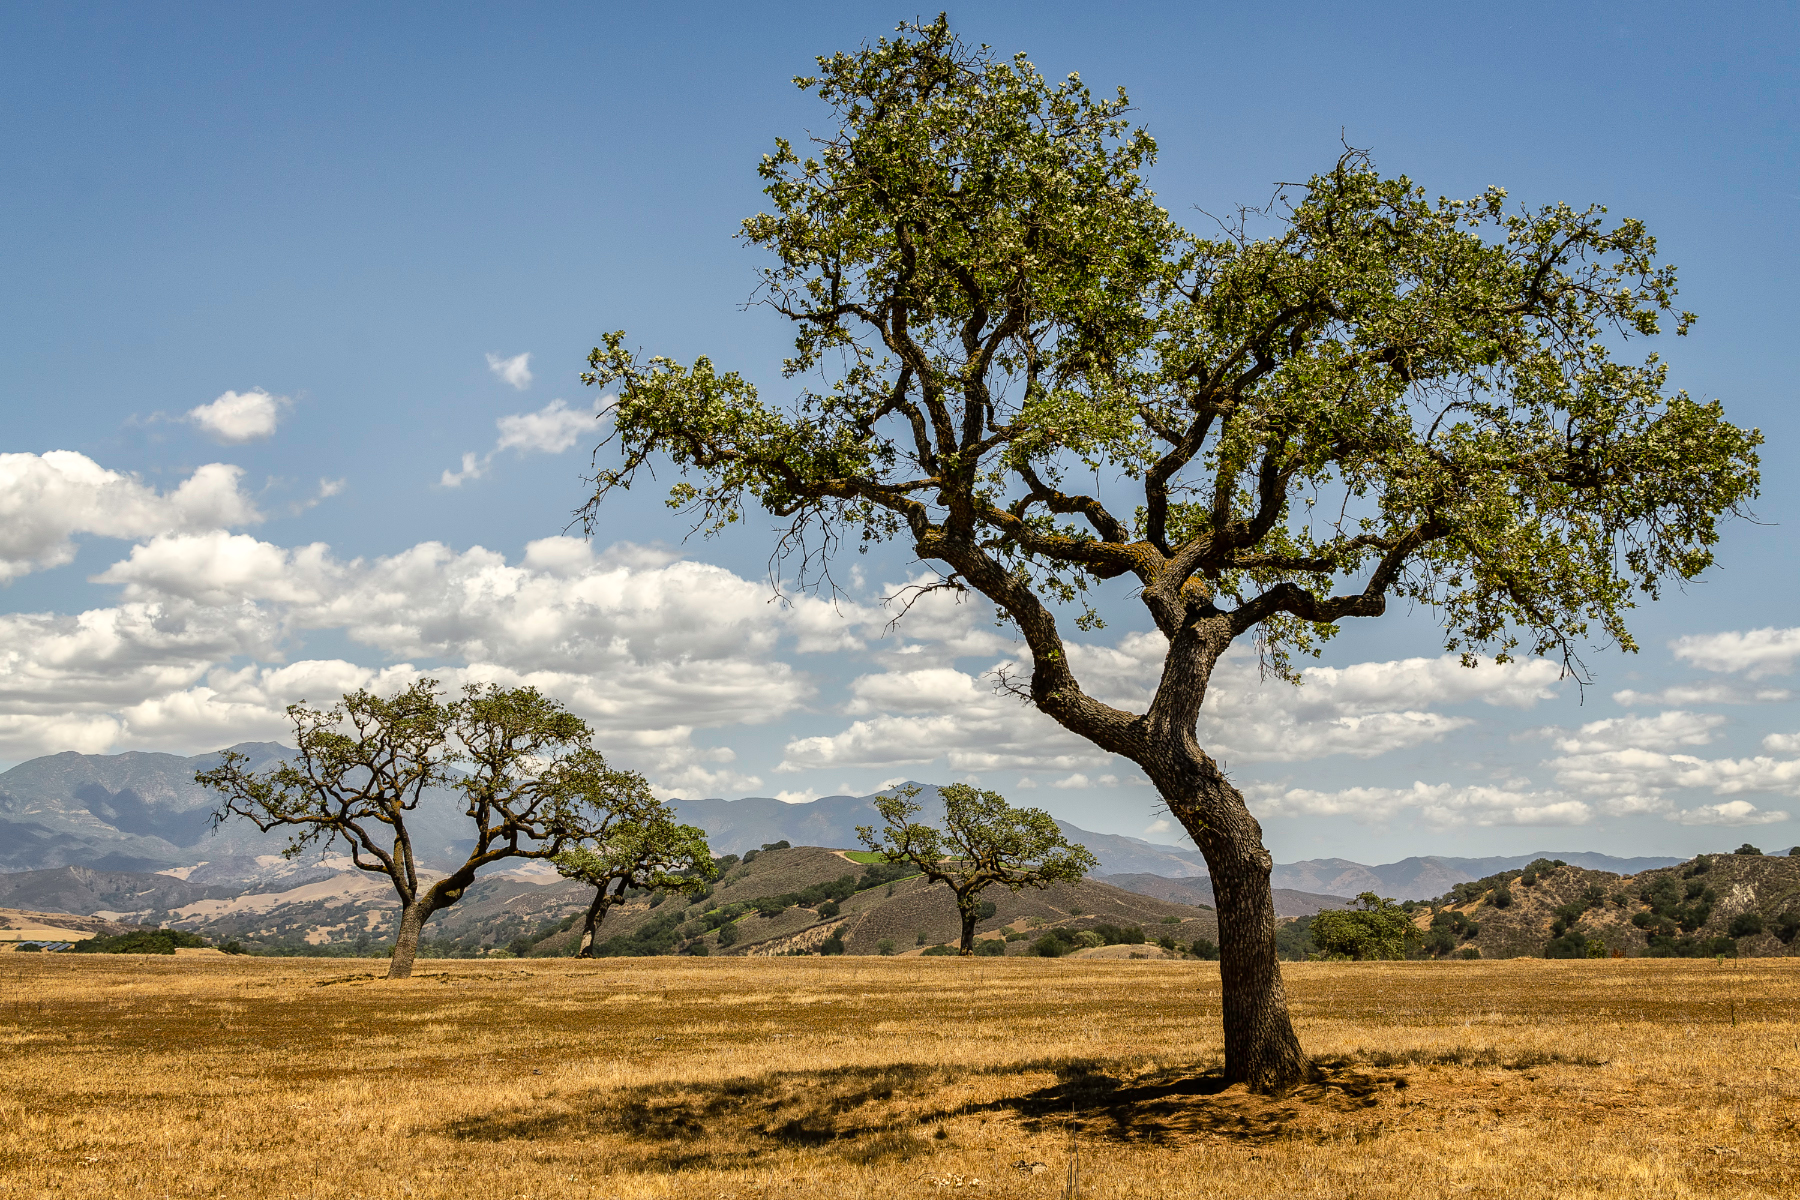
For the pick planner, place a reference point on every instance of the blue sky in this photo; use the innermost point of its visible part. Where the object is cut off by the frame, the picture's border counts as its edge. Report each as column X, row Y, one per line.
column 348, row 222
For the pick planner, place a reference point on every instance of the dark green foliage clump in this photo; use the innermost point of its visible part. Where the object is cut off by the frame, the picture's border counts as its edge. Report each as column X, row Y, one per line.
column 876, row 874
column 1113, row 935
column 140, row 941
column 1502, row 897
column 1787, row 925
column 1293, row 940
column 1204, row 948
column 1573, row 944
column 1747, row 924
column 932, row 951
column 658, row 935
column 781, row 845
column 1054, row 944
column 833, row 944
column 1375, row 929
column 1447, row 930
column 1667, row 945
column 991, row 947
column 728, row 935
column 1748, row 849
column 987, row 909
column 1676, row 908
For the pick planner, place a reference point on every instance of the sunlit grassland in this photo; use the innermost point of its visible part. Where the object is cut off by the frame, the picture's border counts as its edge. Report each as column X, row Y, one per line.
column 846, row 1077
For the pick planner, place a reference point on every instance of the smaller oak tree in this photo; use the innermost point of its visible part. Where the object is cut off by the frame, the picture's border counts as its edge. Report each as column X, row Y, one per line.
column 1376, row 929
column 985, row 841
column 529, row 782
column 635, row 843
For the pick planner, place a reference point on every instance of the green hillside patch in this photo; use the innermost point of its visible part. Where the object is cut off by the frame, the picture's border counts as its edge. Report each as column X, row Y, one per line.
column 141, row 941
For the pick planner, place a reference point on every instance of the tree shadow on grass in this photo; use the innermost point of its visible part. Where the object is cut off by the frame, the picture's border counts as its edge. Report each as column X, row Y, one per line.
column 870, row 1114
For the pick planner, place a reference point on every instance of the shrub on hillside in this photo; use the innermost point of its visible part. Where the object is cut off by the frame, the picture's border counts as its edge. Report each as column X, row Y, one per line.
column 699, row 950
column 1701, row 865
column 1054, row 944
column 829, row 909
column 986, row 910
column 781, row 845
column 1747, row 924
column 932, row 951
column 876, row 874
column 1747, row 848
column 1113, row 935
column 1204, row 948
column 1574, row 944
column 728, row 935
column 1787, row 925
column 34, row 948
column 1502, row 897
column 991, row 947
column 833, row 944
column 885, row 946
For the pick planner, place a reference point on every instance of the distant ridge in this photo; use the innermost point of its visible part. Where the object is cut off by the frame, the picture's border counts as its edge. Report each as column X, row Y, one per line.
column 143, row 812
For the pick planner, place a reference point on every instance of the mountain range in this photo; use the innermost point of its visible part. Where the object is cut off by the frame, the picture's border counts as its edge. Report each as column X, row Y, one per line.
column 143, row 812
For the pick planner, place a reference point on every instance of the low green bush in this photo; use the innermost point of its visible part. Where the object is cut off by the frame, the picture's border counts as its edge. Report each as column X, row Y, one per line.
column 829, row 909
column 1787, row 925
column 1746, row 924
column 1204, row 948
column 930, row 951
column 140, row 941
column 990, row 947
column 885, row 946
column 699, row 950
column 728, row 935
column 833, row 944
column 987, row 910
column 1748, row 849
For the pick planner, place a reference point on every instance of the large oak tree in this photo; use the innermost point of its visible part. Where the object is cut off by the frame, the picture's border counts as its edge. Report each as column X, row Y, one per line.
column 1356, row 394
column 520, row 765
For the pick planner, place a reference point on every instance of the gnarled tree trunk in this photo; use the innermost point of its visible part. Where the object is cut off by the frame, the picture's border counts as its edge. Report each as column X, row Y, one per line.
column 1261, row 1048
column 590, row 925
column 406, row 941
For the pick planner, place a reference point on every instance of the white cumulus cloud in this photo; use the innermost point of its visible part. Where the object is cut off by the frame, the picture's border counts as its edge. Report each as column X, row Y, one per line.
column 651, row 649
column 515, row 371
column 552, row 429
column 238, row 417
column 48, row 499
column 1756, row 652
column 1440, row 805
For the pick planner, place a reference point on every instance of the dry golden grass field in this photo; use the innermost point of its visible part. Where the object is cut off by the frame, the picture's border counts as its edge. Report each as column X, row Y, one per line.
column 859, row 1077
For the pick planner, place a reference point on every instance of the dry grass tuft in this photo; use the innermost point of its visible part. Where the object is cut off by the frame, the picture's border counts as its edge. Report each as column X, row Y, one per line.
column 872, row 1077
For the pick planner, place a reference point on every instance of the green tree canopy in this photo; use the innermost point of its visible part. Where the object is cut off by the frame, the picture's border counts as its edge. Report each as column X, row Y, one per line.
column 985, row 841
column 1007, row 354
column 523, row 766
column 1375, row 928
column 633, row 841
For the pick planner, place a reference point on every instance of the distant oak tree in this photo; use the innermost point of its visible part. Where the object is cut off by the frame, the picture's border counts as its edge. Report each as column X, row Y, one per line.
column 633, row 841
column 520, row 764
column 1354, row 394
column 985, row 841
